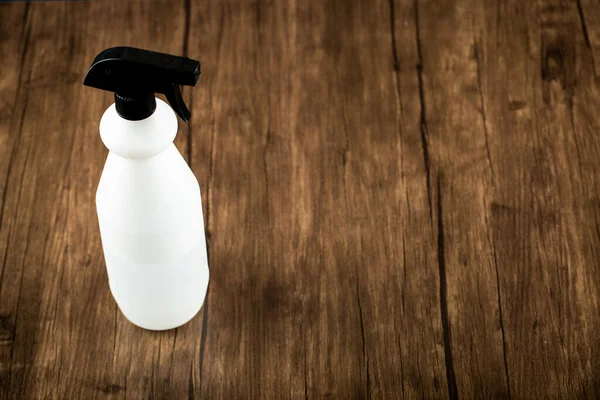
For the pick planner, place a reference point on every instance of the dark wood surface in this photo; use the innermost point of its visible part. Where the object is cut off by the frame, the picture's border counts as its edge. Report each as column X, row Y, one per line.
column 401, row 201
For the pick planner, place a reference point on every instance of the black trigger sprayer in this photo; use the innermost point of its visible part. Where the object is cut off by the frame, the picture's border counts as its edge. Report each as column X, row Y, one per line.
column 134, row 75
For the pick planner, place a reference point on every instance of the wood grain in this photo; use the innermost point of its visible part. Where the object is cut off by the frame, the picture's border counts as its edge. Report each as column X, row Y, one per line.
column 401, row 201
column 590, row 25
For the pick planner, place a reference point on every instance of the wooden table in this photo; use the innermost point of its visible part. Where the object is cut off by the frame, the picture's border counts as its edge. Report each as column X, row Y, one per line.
column 401, row 201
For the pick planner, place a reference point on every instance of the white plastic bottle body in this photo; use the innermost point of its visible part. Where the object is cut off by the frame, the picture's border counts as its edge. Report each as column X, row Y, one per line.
column 151, row 223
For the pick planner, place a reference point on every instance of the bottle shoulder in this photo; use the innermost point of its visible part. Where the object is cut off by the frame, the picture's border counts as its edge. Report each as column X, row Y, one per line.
column 139, row 139
column 165, row 178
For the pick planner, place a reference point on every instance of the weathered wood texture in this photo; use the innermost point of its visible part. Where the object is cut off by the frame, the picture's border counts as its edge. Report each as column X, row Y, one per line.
column 401, row 201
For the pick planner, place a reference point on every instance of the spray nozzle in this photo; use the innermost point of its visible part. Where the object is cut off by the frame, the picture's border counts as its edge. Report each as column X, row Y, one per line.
column 134, row 75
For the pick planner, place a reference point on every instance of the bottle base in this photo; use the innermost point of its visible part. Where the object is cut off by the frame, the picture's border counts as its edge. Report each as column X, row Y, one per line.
column 163, row 319
column 161, row 327
column 162, row 296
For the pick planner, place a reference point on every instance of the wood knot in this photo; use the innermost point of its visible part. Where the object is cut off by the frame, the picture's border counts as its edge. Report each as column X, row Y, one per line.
column 280, row 299
column 553, row 64
column 7, row 331
column 516, row 105
column 436, row 385
column 474, row 52
column 498, row 208
column 110, row 388
column 87, row 261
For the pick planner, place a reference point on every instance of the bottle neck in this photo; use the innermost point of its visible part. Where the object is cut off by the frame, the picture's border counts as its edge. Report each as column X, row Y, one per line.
column 139, row 139
column 135, row 108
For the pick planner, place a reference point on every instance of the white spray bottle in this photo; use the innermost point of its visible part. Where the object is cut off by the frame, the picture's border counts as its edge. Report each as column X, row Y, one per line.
column 148, row 200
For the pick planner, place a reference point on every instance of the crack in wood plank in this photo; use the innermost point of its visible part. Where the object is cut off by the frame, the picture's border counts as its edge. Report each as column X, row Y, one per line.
column 450, row 374
column 483, row 117
column 364, row 343
column 27, row 32
column 423, row 114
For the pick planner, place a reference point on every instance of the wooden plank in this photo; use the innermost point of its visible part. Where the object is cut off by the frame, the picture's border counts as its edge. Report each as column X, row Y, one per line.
column 251, row 346
column 583, row 228
column 69, row 339
column 570, row 92
column 543, row 227
column 307, row 259
column 13, row 27
column 401, row 201
column 12, row 51
column 387, row 176
column 455, row 132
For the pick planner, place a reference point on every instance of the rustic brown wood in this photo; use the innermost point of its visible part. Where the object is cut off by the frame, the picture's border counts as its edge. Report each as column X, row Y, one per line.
column 588, row 11
column 401, row 201
column 11, row 51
